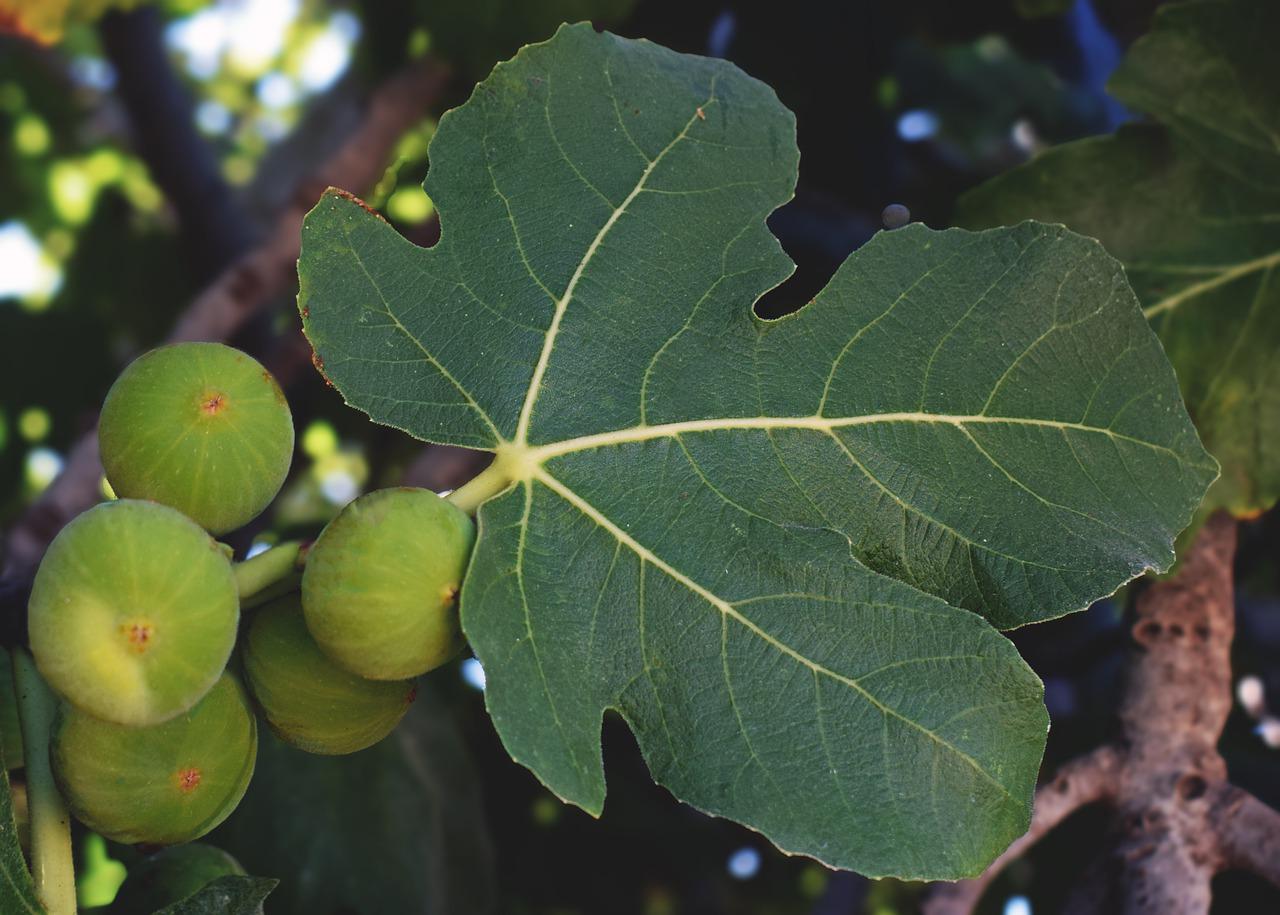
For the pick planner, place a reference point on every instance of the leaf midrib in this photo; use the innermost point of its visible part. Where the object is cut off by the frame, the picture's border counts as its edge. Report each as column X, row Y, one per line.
column 562, row 305
column 539, row 454
column 729, row 611
column 1222, row 278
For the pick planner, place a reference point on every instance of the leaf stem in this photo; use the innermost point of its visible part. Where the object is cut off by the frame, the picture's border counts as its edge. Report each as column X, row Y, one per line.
column 484, row 486
column 269, row 568
column 52, row 862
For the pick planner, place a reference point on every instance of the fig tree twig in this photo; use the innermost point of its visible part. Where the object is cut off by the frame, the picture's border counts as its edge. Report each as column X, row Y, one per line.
column 259, row 573
column 52, row 861
column 213, row 228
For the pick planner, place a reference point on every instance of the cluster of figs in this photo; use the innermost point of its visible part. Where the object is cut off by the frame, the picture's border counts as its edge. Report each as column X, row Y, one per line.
column 135, row 613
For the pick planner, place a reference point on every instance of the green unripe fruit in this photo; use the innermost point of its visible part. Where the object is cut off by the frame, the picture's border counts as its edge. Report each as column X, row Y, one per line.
column 381, row 584
column 133, row 612
column 308, row 701
column 201, row 427
column 170, row 876
column 159, row 785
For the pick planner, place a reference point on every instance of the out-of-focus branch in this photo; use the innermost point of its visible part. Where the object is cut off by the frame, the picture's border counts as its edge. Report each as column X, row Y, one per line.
column 1178, row 821
column 1080, row 782
column 1248, row 833
column 1175, row 706
column 214, row 229
column 248, row 285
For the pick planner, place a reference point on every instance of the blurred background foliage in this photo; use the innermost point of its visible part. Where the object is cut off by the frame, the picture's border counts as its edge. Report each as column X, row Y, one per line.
column 910, row 103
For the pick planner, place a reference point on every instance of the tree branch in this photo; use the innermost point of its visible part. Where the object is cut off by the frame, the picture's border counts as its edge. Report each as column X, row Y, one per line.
column 214, row 229
column 1248, row 833
column 243, row 289
column 1175, row 705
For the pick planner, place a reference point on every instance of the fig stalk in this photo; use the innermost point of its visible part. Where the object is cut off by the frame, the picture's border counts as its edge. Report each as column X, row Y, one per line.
column 52, row 861
column 268, row 569
column 485, row 485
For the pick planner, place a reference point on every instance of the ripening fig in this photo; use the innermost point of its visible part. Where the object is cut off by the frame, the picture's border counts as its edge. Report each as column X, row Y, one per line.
column 381, row 584
column 158, row 785
column 171, row 875
column 308, row 701
column 133, row 612
column 201, row 427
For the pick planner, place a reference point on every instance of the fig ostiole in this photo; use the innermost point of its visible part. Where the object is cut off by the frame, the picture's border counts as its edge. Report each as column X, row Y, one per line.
column 201, row 427
column 380, row 588
column 308, row 701
column 159, row 785
column 133, row 612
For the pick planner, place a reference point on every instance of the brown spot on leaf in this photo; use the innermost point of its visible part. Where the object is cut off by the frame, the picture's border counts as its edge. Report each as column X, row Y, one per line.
column 411, row 695
column 352, row 198
column 318, row 362
column 702, row 115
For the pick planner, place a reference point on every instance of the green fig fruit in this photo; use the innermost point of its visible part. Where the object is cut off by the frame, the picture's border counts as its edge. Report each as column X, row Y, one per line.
column 381, row 583
column 133, row 612
column 171, row 875
column 201, row 427
column 158, row 785
column 308, row 701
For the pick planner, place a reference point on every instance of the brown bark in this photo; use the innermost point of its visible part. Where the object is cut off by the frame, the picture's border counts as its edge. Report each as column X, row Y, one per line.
column 1248, row 833
column 243, row 289
column 1177, row 820
column 1175, row 706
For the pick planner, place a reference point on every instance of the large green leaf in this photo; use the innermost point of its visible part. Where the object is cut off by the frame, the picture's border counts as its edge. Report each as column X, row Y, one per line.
column 1208, row 69
column 1201, row 244
column 232, row 895
column 725, row 528
column 397, row 828
column 17, row 890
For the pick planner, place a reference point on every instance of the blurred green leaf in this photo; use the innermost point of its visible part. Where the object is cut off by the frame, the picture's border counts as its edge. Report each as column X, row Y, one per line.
column 473, row 34
column 1036, row 9
column 17, row 890
column 397, row 828
column 1208, row 69
column 225, row 896
column 10, row 728
column 1193, row 211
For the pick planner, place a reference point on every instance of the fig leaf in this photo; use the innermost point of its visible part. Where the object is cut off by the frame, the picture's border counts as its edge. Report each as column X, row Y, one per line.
column 766, row 544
